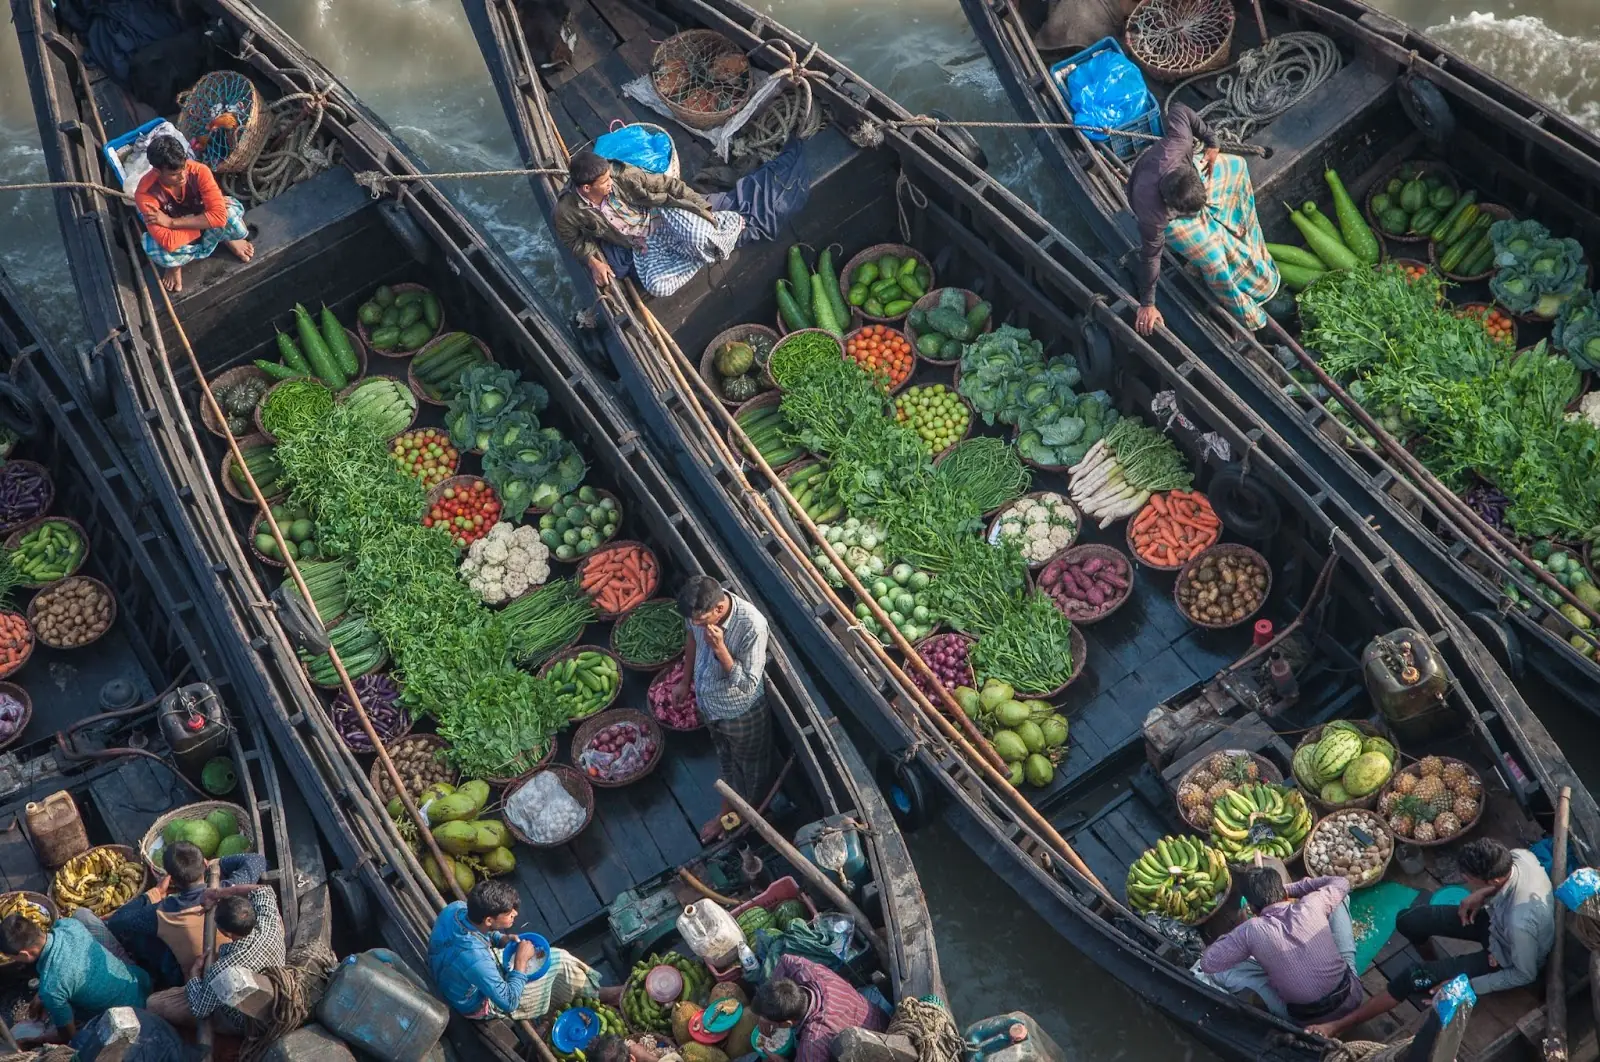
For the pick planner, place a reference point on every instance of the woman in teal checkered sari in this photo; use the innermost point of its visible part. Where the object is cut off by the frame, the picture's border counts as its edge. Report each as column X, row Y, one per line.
column 1224, row 243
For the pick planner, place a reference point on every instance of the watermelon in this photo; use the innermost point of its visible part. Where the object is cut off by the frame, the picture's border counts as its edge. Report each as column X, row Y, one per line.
column 757, row 918
column 1305, row 767
column 788, row 911
column 1336, row 748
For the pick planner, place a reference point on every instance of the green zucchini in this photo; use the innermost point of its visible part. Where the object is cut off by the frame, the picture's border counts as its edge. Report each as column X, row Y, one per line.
column 1289, row 254
column 1442, row 230
column 276, row 371
column 317, row 353
column 289, row 354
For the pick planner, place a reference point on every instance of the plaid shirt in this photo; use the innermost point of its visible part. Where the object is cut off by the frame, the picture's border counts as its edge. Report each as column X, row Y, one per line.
column 729, row 694
column 1225, row 244
column 835, row 1006
column 1291, row 941
column 255, row 951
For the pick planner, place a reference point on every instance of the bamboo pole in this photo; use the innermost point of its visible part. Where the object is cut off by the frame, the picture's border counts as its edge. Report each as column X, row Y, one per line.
column 1555, row 993
column 205, row 1036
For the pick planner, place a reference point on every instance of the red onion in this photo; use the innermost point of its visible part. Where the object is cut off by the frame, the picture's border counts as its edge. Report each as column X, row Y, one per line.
column 681, row 715
column 946, row 657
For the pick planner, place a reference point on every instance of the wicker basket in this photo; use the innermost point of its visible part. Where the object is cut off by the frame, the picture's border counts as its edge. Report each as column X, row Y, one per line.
column 1466, row 827
column 14, row 539
column 1088, row 551
column 1312, row 736
column 652, row 576
column 600, row 492
column 366, row 333
column 782, row 342
column 574, row 783
column 358, row 743
column 236, row 375
column 1370, row 821
column 232, row 489
column 411, row 369
column 1080, row 660
column 106, row 591
column 379, row 777
column 501, row 781
column 872, row 254
column 7, row 526
column 38, row 900
column 992, row 535
column 901, row 386
column 1222, row 549
column 1494, row 210
column 694, row 50
column 130, row 855
column 22, row 698
column 1127, row 536
column 198, row 810
column 1487, row 307
column 380, row 662
column 572, row 651
column 928, row 302
column 200, row 117
column 660, row 678
column 634, row 665
column 261, row 429
column 934, row 641
column 1423, row 168
column 416, row 405
column 1268, row 771
column 738, row 333
column 27, row 652
column 674, row 169
column 1175, row 39
column 596, row 723
column 436, row 494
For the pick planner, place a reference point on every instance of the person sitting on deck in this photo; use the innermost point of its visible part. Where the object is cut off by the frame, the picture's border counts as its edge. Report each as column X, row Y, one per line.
column 163, row 928
column 1510, row 911
column 1208, row 220
column 613, row 1048
column 249, row 939
column 79, row 975
column 1297, row 949
column 816, row 1003
column 466, row 955
column 614, row 217
column 185, row 213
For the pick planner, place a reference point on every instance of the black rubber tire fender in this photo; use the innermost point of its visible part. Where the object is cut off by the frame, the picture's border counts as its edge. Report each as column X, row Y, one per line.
column 1247, row 509
column 910, row 800
column 1427, row 108
column 1097, row 359
column 962, row 140
column 19, row 412
column 351, row 901
column 1500, row 637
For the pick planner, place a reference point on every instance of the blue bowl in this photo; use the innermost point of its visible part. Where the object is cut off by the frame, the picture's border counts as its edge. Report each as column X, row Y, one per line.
column 575, row 1029
column 537, row 941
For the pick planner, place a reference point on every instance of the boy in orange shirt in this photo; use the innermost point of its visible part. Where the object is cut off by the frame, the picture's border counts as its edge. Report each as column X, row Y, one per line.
column 185, row 213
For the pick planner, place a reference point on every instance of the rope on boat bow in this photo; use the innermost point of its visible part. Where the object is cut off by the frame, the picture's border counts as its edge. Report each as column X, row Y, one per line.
column 869, row 134
column 1271, row 80
column 374, row 181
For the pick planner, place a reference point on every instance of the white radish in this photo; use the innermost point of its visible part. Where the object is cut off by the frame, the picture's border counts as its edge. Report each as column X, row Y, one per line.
column 1124, row 508
column 1096, row 478
column 1090, row 459
column 1109, row 499
column 1100, row 491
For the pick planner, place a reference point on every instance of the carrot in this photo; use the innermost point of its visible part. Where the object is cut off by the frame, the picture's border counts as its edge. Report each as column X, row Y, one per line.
column 1145, row 518
column 1158, row 503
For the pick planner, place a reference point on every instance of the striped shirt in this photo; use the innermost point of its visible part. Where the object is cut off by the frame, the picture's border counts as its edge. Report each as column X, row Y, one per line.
column 1291, row 941
column 723, row 694
column 835, row 1006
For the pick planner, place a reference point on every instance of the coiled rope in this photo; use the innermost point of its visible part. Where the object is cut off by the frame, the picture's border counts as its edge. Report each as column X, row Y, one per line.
column 1269, row 81
column 293, row 152
column 794, row 112
column 930, row 1029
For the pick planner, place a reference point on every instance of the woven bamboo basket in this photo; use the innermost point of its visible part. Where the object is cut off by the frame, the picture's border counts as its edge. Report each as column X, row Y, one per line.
column 1494, row 210
column 105, row 591
column 23, row 699
column 1221, row 549
column 1267, row 770
column 416, row 385
column 261, row 429
column 993, row 533
column 208, row 104
column 1127, row 536
column 684, row 57
column 236, row 375
column 661, row 678
column 635, row 665
column 129, row 854
column 1424, row 168
column 1080, row 660
column 652, row 573
column 1372, row 823
column 150, row 845
column 1466, row 827
column 572, row 651
column 738, row 333
column 232, row 489
column 872, row 254
column 1175, row 39
column 1315, row 734
column 7, row 526
column 574, row 783
column 1088, row 551
column 380, row 778
column 928, row 302
column 27, row 650
column 598, row 722
column 416, row 404
column 366, row 333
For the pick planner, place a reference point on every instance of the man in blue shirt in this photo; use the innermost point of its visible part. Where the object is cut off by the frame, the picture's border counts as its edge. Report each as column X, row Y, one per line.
column 465, row 953
column 162, row 929
column 78, row 977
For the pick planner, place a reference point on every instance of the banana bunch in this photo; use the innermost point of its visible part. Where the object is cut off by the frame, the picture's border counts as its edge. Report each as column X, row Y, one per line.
column 642, row 1012
column 1237, row 813
column 1181, row 877
column 610, row 1023
column 15, row 903
column 99, row 879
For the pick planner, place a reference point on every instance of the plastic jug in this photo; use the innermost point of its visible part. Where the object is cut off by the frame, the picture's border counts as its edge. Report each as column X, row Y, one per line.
column 1407, row 683
column 377, row 1003
column 195, row 726
column 834, row 844
column 57, row 829
column 1012, row 1037
column 711, row 933
column 309, row 1043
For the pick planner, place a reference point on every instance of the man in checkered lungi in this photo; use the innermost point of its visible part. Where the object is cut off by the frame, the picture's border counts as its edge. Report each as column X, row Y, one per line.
column 725, row 656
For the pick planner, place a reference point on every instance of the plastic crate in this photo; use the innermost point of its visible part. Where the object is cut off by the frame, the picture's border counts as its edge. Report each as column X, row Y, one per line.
column 110, row 150
column 1124, row 147
column 783, row 889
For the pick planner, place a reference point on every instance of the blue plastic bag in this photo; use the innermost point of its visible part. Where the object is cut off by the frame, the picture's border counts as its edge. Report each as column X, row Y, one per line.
column 1108, row 91
column 647, row 149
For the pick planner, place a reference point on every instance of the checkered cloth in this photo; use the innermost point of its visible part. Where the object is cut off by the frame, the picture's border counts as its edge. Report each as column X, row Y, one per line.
column 744, row 749
column 1225, row 244
column 724, row 694
column 568, row 978
column 680, row 244
column 255, row 951
column 194, row 250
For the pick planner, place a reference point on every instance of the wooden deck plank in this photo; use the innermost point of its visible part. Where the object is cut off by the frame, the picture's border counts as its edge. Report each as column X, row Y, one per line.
column 626, row 23
column 598, row 853
column 569, row 886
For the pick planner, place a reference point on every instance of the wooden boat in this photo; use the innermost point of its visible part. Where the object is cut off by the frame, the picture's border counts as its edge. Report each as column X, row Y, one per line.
column 1495, row 139
column 327, row 240
column 94, row 729
column 1065, row 848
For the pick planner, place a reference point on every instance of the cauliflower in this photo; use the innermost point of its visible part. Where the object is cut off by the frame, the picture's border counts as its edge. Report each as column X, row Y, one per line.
column 1010, row 528
column 1060, row 537
column 506, row 563
column 1589, row 408
column 495, row 552
column 1036, row 532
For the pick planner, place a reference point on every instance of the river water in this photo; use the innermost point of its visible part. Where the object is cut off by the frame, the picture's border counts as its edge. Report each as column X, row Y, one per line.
column 414, row 61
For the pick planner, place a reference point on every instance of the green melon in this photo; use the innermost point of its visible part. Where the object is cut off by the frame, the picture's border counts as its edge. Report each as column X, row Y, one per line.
column 1334, row 793
column 233, row 844
column 1305, row 767
column 1366, row 773
column 223, row 821
column 1335, row 750
column 202, row 835
column 1378, row 744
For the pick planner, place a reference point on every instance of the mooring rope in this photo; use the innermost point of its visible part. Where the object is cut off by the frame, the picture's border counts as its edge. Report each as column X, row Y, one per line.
column 90, row 185
column 374, row 182
column 1271, row 79
column 870, row 133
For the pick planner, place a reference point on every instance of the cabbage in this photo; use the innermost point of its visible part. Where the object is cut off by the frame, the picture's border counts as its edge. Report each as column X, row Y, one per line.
column 1577, row 331
column 1514, row 241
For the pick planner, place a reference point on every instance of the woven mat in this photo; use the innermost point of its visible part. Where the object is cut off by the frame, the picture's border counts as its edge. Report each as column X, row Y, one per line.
column 1373, row 911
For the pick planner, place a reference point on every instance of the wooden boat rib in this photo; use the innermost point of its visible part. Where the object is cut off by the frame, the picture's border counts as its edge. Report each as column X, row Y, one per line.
column 328, row 240
column 1333, row 572
column 1507, row 144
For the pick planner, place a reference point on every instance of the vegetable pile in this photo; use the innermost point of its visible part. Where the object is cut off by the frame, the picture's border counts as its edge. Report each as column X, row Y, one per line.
column 943, row 332
column 386, row 402
column 935, row 413
column 1088, row 587
column 380, row 696
column 426, row 453
column 47, row 551
column 1534, row 273
column 323, row 353
column 1501, row 329
column 617, row 753
column 1223, row 588
column 1236, row 816
column 769, row 432
column 1343, row 764
column 239, row 401
column 812, row 299
column 666, row 706
column 860, row 545
column 1005, row 376
column 1029, row 734
column 946, row 655
column 25, row 493
column 294, row 521
column 1040, row 527
column 1120, row 473
column 883, row 352
column 1432, row 799
column 71, row 613
column 293, row 404
column 438, row 370
column 888, row 286
column 794, row 353
column 16, row 641
column 738, row 365
column 584, row 682
column 264, row 467
column 650, row 635
column 506, row 563
column 420, row 764
column 901, row 596
column 468, row 512
column 1172, row 527
column 329, row 586
column 986, row 470
column 579, row 523
column 1334, row 847
column 809, row 485
column 400, row 322
column 12, row 715
column 542, row 621
column 544, row 811
column 619, row 578
column 471, row 845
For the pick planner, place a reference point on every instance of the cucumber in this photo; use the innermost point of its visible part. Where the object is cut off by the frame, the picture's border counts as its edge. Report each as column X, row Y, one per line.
column 800, row 282
column 1441, row 230
column 1462, row 224
column 415, row 335
column 858, row 295
column 1457, row 251
column 898, row 307
column 1289, row 254
column 1473, row 250
column 1480, row 262
column 289, row 354
column 430, row 310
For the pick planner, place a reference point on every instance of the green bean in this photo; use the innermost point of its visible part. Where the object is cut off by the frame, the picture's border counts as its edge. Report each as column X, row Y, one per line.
column 543, row 621
column 650, row 634
column 987, row 470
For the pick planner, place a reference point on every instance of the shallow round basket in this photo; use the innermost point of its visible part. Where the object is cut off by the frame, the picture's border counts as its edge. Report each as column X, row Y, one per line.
column 1466, row 827
column 872, row 254
column 1080, row 656
column 1312, row 736
column 436, row 493
column 75, row 580
column 972, row 424
column 992, row 535
column 1425, row 168
column 501, row 781
column 784, row 341
column 129, row 854
column 416, row 385
column 1585, row 379
column 572, row 651
column 737, row 334
column 38, row 900
column 339, row 707
column 1516, row 328
column 14, row 539
column 234, row 376
column 232, row 489
column 27, row 652
column 598, row 722
column 257, row 528
column 698, row 48
column 1127, row 536
column 1015, row 435
column 1370, row 821
column 1088, row 551
column 1222, row 549
column 634, row 665
column 574, row 783
column 600, row 492
column 928, row 302
column 1494, row 210
column 198, row 810
column 7, row 526
column 1268, row 770
column 1175, row 39
column 901, row 386
column 652, row 581
column 416, row 404
column 934, row 641
column 366, row 333
column 261, row 428
column 380, row 779
column 660, row 677
column 22, row 698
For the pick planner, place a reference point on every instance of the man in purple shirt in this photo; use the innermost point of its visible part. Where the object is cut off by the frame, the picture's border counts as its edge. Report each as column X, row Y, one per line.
column 1296, row 951
column 816, row 1003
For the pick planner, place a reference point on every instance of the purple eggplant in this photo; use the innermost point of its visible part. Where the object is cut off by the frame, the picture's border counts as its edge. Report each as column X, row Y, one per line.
column 380, row 696
column 25, row 493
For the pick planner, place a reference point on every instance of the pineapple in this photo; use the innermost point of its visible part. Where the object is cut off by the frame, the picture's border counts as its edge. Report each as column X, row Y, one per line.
column 1217, row 764
column 1240, row 770
column 1431, row 790
column 1405, row 782
column 1430, row 766
column 1472, row 787
column 1424, row 832
column 1386, row 803
column 1190, row 797
column 1216, row 792
column 1453, row 775
column 1446, row 824
column 1202, row 779
column 1402, row 824
column 1465, row 808
column 1201, row 816
column 1252, row 770
column 1418, row 810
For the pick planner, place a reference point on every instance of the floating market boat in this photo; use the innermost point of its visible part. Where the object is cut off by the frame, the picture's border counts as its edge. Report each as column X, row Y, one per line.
column 609, row 883
column 1371, row 97
column 1149, row 694
column 98, row 762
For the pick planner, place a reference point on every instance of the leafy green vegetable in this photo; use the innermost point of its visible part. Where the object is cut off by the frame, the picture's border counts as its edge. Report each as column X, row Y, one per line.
column 1577, row 331
column 1514, row 241
column 488, row 394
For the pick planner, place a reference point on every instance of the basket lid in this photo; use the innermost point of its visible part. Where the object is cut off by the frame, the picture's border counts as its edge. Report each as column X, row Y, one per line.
column 664, row 983
column 712, row 1025
column 575, row 1029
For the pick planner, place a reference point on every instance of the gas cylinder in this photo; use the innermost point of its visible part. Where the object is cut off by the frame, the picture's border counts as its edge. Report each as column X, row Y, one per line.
column 195, row 726
column 1407, row 683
